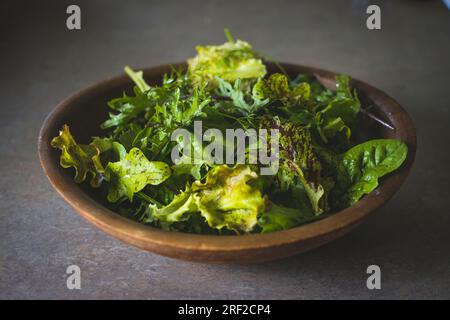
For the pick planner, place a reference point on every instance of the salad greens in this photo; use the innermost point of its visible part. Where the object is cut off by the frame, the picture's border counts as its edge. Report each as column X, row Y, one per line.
column 321, row 168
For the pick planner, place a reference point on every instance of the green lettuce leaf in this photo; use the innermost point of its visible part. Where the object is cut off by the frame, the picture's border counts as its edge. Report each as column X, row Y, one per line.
column 177, row 210
column 227, row 200
column 83, row 158
column 360, row 167
column 133, row 173
column 278, row 217
column 313, row 188
column 224, row 200
column 231, row 61
column 343, row 90
column 340, row 114
column 333, row 126
column 346, row 109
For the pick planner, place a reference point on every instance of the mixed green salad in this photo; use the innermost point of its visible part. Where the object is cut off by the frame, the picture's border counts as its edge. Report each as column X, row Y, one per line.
column 321, row 169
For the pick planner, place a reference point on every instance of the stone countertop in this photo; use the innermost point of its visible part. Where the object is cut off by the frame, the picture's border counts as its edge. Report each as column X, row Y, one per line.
column 43, row 62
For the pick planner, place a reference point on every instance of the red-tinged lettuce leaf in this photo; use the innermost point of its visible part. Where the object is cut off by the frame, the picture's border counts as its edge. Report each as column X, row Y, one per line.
column 277, row 87
column 298, row 161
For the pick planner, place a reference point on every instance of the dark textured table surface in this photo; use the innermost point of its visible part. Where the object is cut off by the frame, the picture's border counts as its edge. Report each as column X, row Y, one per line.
column 42, row 62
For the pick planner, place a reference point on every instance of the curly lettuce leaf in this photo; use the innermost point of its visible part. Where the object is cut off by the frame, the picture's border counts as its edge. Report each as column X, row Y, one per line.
column 83, row 158
column 231, row 61
column 360, row 167
column 133, row 173
column 227, row 200
column 177, row 210
column 224, row 200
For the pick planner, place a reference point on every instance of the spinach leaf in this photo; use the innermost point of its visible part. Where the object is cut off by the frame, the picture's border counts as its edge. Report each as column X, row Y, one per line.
column 360, row 167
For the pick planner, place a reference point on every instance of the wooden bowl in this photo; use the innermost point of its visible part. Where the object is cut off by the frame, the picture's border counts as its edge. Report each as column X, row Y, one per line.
column 86, row 109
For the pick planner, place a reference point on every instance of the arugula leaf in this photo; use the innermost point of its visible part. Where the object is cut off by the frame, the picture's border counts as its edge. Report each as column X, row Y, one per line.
column 147, row 119
column 239, row 98
column 83, row 158
column 360, row 167
column 138, row 78
column 132, row 173
column 179, row 110
column 128, row 108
